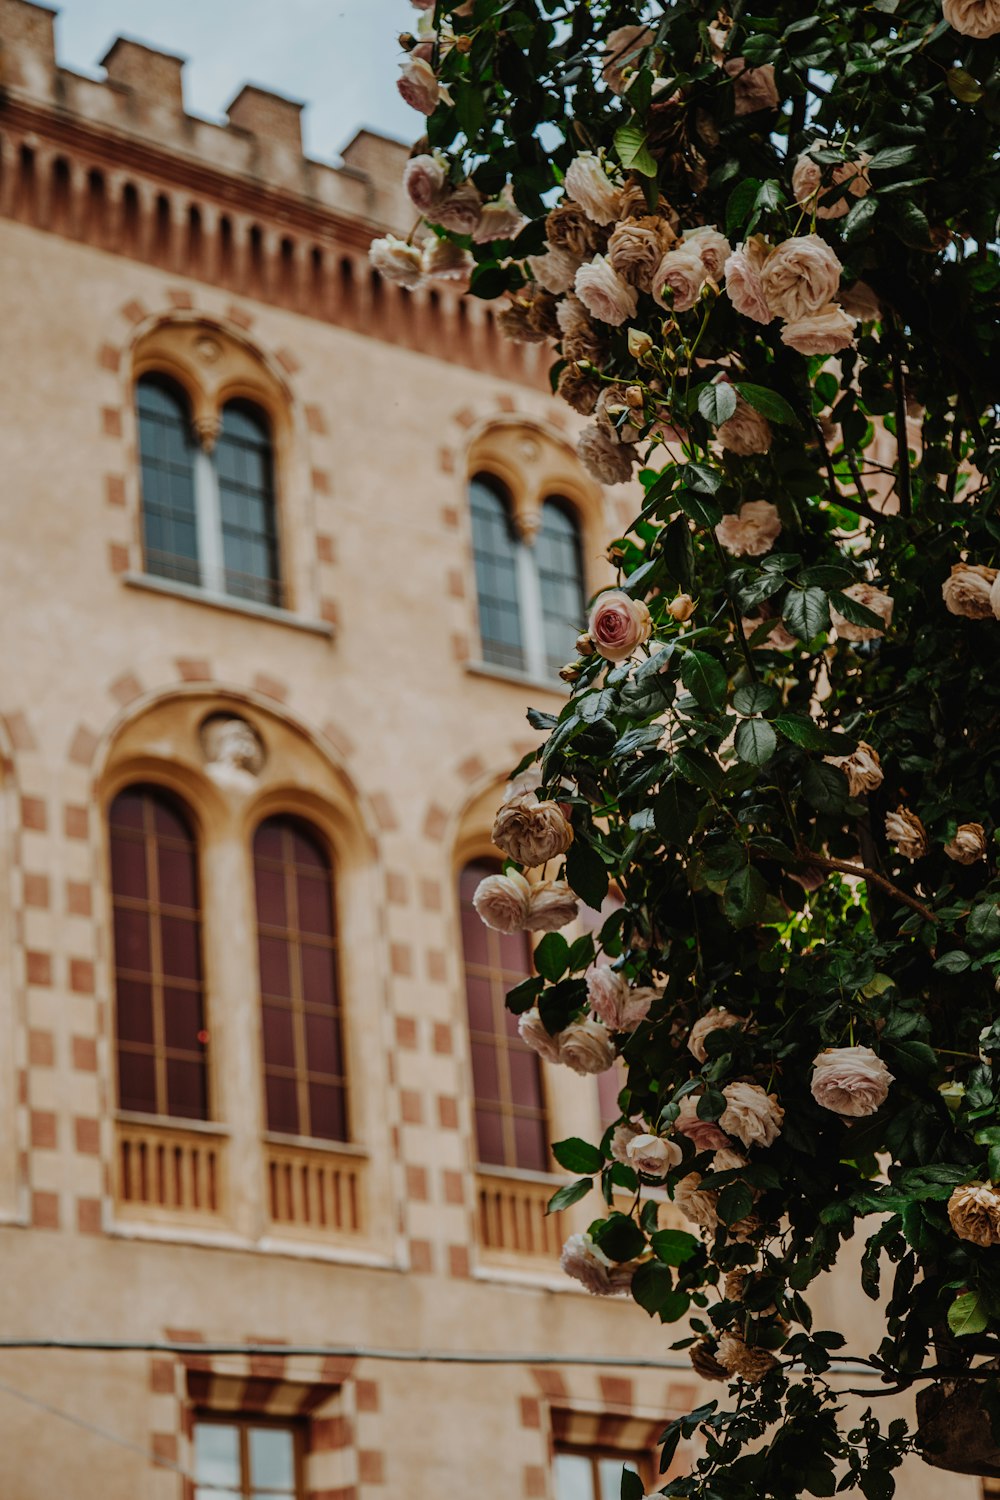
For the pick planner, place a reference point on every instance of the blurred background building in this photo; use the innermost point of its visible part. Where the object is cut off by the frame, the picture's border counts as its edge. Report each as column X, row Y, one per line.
column 285, row 553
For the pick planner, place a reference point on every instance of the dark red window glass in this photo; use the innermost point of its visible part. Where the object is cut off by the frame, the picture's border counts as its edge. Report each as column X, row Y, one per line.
column 511, row 1127
column 159, row 988
column 305, row 1084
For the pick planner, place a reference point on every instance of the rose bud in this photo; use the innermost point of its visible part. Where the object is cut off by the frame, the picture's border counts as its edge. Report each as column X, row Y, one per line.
column 681, row 608
column 585, row 645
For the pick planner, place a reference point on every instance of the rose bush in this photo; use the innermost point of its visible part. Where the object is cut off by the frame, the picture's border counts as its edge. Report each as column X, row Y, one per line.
column 781, row 741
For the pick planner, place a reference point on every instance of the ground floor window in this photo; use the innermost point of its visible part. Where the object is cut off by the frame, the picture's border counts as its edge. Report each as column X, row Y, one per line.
column 248, row 1457
column 591, row 1473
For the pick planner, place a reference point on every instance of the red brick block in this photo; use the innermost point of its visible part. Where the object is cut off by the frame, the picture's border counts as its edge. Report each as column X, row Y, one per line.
column 79, row 898
column 431, row 895
column 406, row 1032
column 126, row 689
column 118, row 558
column 36, row 890
column 81, row 976
column 181, row 298
column 87, row 1135
column 416, row 1184
column 454, row 1186
column 89, row 1216
column 449, row 517
column 193, row 669
column 437, row 966
column 111, row 421
column 315, row 420
column 534, row 1486
column 435, row 823
column 239, row 316
column 39, row 967
column 45, row 1210
column 84, row 1054
column 270, row 687
column 443, row 1040
column 325, row 551
column 83, row 745
column 164, row 1446
column 366, row 1395
column 458, row 1262
column 447, row 1112
column 161, row 1377
column 550, row 1383
column 446, row 460
column 401, row 959
column 329, row 1434
column 76, row 822
column 286, row 359
column 133, row 311
column 108, row 358
column 43, row 1130
column 34, row 814
column 411, row 1107
column 41, row 1048
column 616, row 1390
column 21, row 736
column 396, row 888
column 531, row 1412
column 456, row 583
column 114, row 489
column 384, row 811
column 371, row 1467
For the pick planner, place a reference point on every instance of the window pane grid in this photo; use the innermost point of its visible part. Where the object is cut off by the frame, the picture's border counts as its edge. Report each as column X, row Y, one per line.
column 511, row 1115
column 591, row 1473
column 304, row 1069
column 249, row 1458
column 560, row 572
column 158, row 1072
column 494, row 550
column 168, row 485
column 246, row 498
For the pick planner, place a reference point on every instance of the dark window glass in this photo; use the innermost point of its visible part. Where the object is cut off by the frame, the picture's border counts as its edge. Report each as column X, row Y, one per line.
column 167, row 456
column 305, row 1085
column 245, row 470
column 495, row 549
column 560, row 577
column 511, row 1127
column 160, row 1003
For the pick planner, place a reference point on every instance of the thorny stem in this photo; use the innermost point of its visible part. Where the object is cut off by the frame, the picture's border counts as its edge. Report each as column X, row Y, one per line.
column 846, row 867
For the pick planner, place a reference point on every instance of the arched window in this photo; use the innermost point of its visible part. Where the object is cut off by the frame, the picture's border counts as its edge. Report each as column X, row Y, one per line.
column 209, row 517
column 168, row 452
column 246, row 501
column 159, row 988
column 511, row 1125
column 305, row 1083
column 530, row 591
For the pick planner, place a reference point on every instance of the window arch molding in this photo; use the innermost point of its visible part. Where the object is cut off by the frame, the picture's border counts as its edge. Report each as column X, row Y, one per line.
column 533, row 464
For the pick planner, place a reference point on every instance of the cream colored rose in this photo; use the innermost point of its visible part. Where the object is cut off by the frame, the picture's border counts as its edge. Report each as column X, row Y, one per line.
column 810, row 189
column 531, row 1029
column 425, row 178
column 618, row 625
column 681, row 608
column 418, row 84
column 555, row 270
column 697, row 1203
column 969, row 844
column 743, row 284
column 974, row 1213
column 531, row 832
column 742, row 1360
column 905, row 830
column 461, row 209
column 753, row 88
column 607, row 459
column 614, row 1003
column 503, row 902
column 727, row 1160
column 850, row 1081
column 862, row 768
column 868, row 597
column 777, row 638
column 572, row 317
column 746, row 431
column 712, row 248
column 636, row 248
column 612, row 405
column 553, row 905
column 587, row 1263
column 678, row 279
column 652, row 1155
column 499, row 220
column 975, row 18
column 622, row 1134
column 824, row 332
column 800, row 276
column 623, row 49
column 752, row 531
column 397, row 261
column 588, row 184
column 752, row 1115
column 603, row 292
column 586, row 1047
column 968, row 590
column 704, row 1135
column 446, row 261
column 716, row 1019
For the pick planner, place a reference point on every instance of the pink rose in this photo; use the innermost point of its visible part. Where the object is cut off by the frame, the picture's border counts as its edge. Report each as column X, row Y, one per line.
column 652, row 1155
column 531, row 1030
column 868, row 597
column 683, row 273
column 697, row 1203
column 969, row 590
column 975, row 18
column 705, row 1135
column 715, row 1019
column 800, row 277
column 553, row 905
column 586, row 1047
column 824, row 332
column 461, row 209
column 425, row 178
column 397, row 261
column 743, row 285
column 503, row 902
column 752, row 1115
column 810, row 190
column 618, row 625
column 753, row 88
column 752, row 531
column 603, row 292
column 712, row 248
column 851, row 1081
column 746, row 431
column 418, row 84
column 611, row 1000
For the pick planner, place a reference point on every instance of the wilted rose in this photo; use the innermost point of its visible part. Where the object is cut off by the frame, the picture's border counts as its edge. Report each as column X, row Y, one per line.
column 969, row 844
column 418, row 84
column 800, row 276
column 975, row 18
column 553, row 905
column 752, row 1115
column 705, row 1135
column 862, row 769
column 868, row 597
column 531, row 1030
column 904, row 829
column 607, row 459
column 968, row 590
column 752, row 531
column 974, row 1213
column 446, row 261
column 636, row 248
column 824, row 332
column 587, row 183
column 652, row 1155
column 503, row 901
column 622, row 52
column 579, row 388
column 618, row 625
column 397, row 261
column 753, row 88
column 678, row 279
column 743, row 1360
column 499, row 220
column 746, row 431
column 851, row 1081
column 716, row 1019
column 712, row 247
column 586, row 1047
column 530, row 831
column 603, row 292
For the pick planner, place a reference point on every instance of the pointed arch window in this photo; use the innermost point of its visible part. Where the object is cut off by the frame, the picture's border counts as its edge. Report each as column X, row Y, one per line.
column 530, row 590
column 305, row 1082
column 208, row 508
column 511, row 1116
column 159, row 986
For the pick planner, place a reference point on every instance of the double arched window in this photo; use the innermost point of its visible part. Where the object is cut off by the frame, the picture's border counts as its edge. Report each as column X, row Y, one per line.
column 529, row 582
column 208, row 508
column 160, row 1021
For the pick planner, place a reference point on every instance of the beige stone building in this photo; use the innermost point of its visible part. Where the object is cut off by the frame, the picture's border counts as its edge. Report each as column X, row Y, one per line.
column 285, row 554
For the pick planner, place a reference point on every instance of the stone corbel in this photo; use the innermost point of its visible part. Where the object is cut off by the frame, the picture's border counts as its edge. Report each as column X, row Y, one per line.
column 207, row 424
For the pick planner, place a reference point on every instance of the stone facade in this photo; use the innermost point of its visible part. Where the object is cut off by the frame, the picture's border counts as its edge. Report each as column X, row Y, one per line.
column 134, row 237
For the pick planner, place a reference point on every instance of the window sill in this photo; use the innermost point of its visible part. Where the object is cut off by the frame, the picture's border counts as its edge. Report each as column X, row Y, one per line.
column 518, row 679
column 230, row 602
column 551, row 1180
column 315, row 1143
column 171, row 1123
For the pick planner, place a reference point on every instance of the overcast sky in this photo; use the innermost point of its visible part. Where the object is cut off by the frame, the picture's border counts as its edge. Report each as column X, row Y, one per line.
column 336, row 56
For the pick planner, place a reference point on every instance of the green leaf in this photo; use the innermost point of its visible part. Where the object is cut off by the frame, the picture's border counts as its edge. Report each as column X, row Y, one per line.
column 824, row 787
column 735, row 1202
column 552, row 956
column 568, row 1195
column 755, row 698
column 964, row 86
column 632, row 1486
column 523, row 996
column 756, row 741
column 768, row 403
column 620, row 1237
column 803, row 731
column 651, row 1284
column 858, row 614
column 701, row 478
column 717, row 403
column 805, row 612
column 955, row 962
column 674, row 1246
column 740, row 204
column 587, row 873
column 633, row 153
column 701, row 769
column 701, row 508
column 674, row 813
column 967, row 1315
column 704, row 679
column 744, row 897
column 892, row 156
column 578, row 1156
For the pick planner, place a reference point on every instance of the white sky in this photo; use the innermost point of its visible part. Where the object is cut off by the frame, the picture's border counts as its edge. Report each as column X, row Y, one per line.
column 337, row 56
